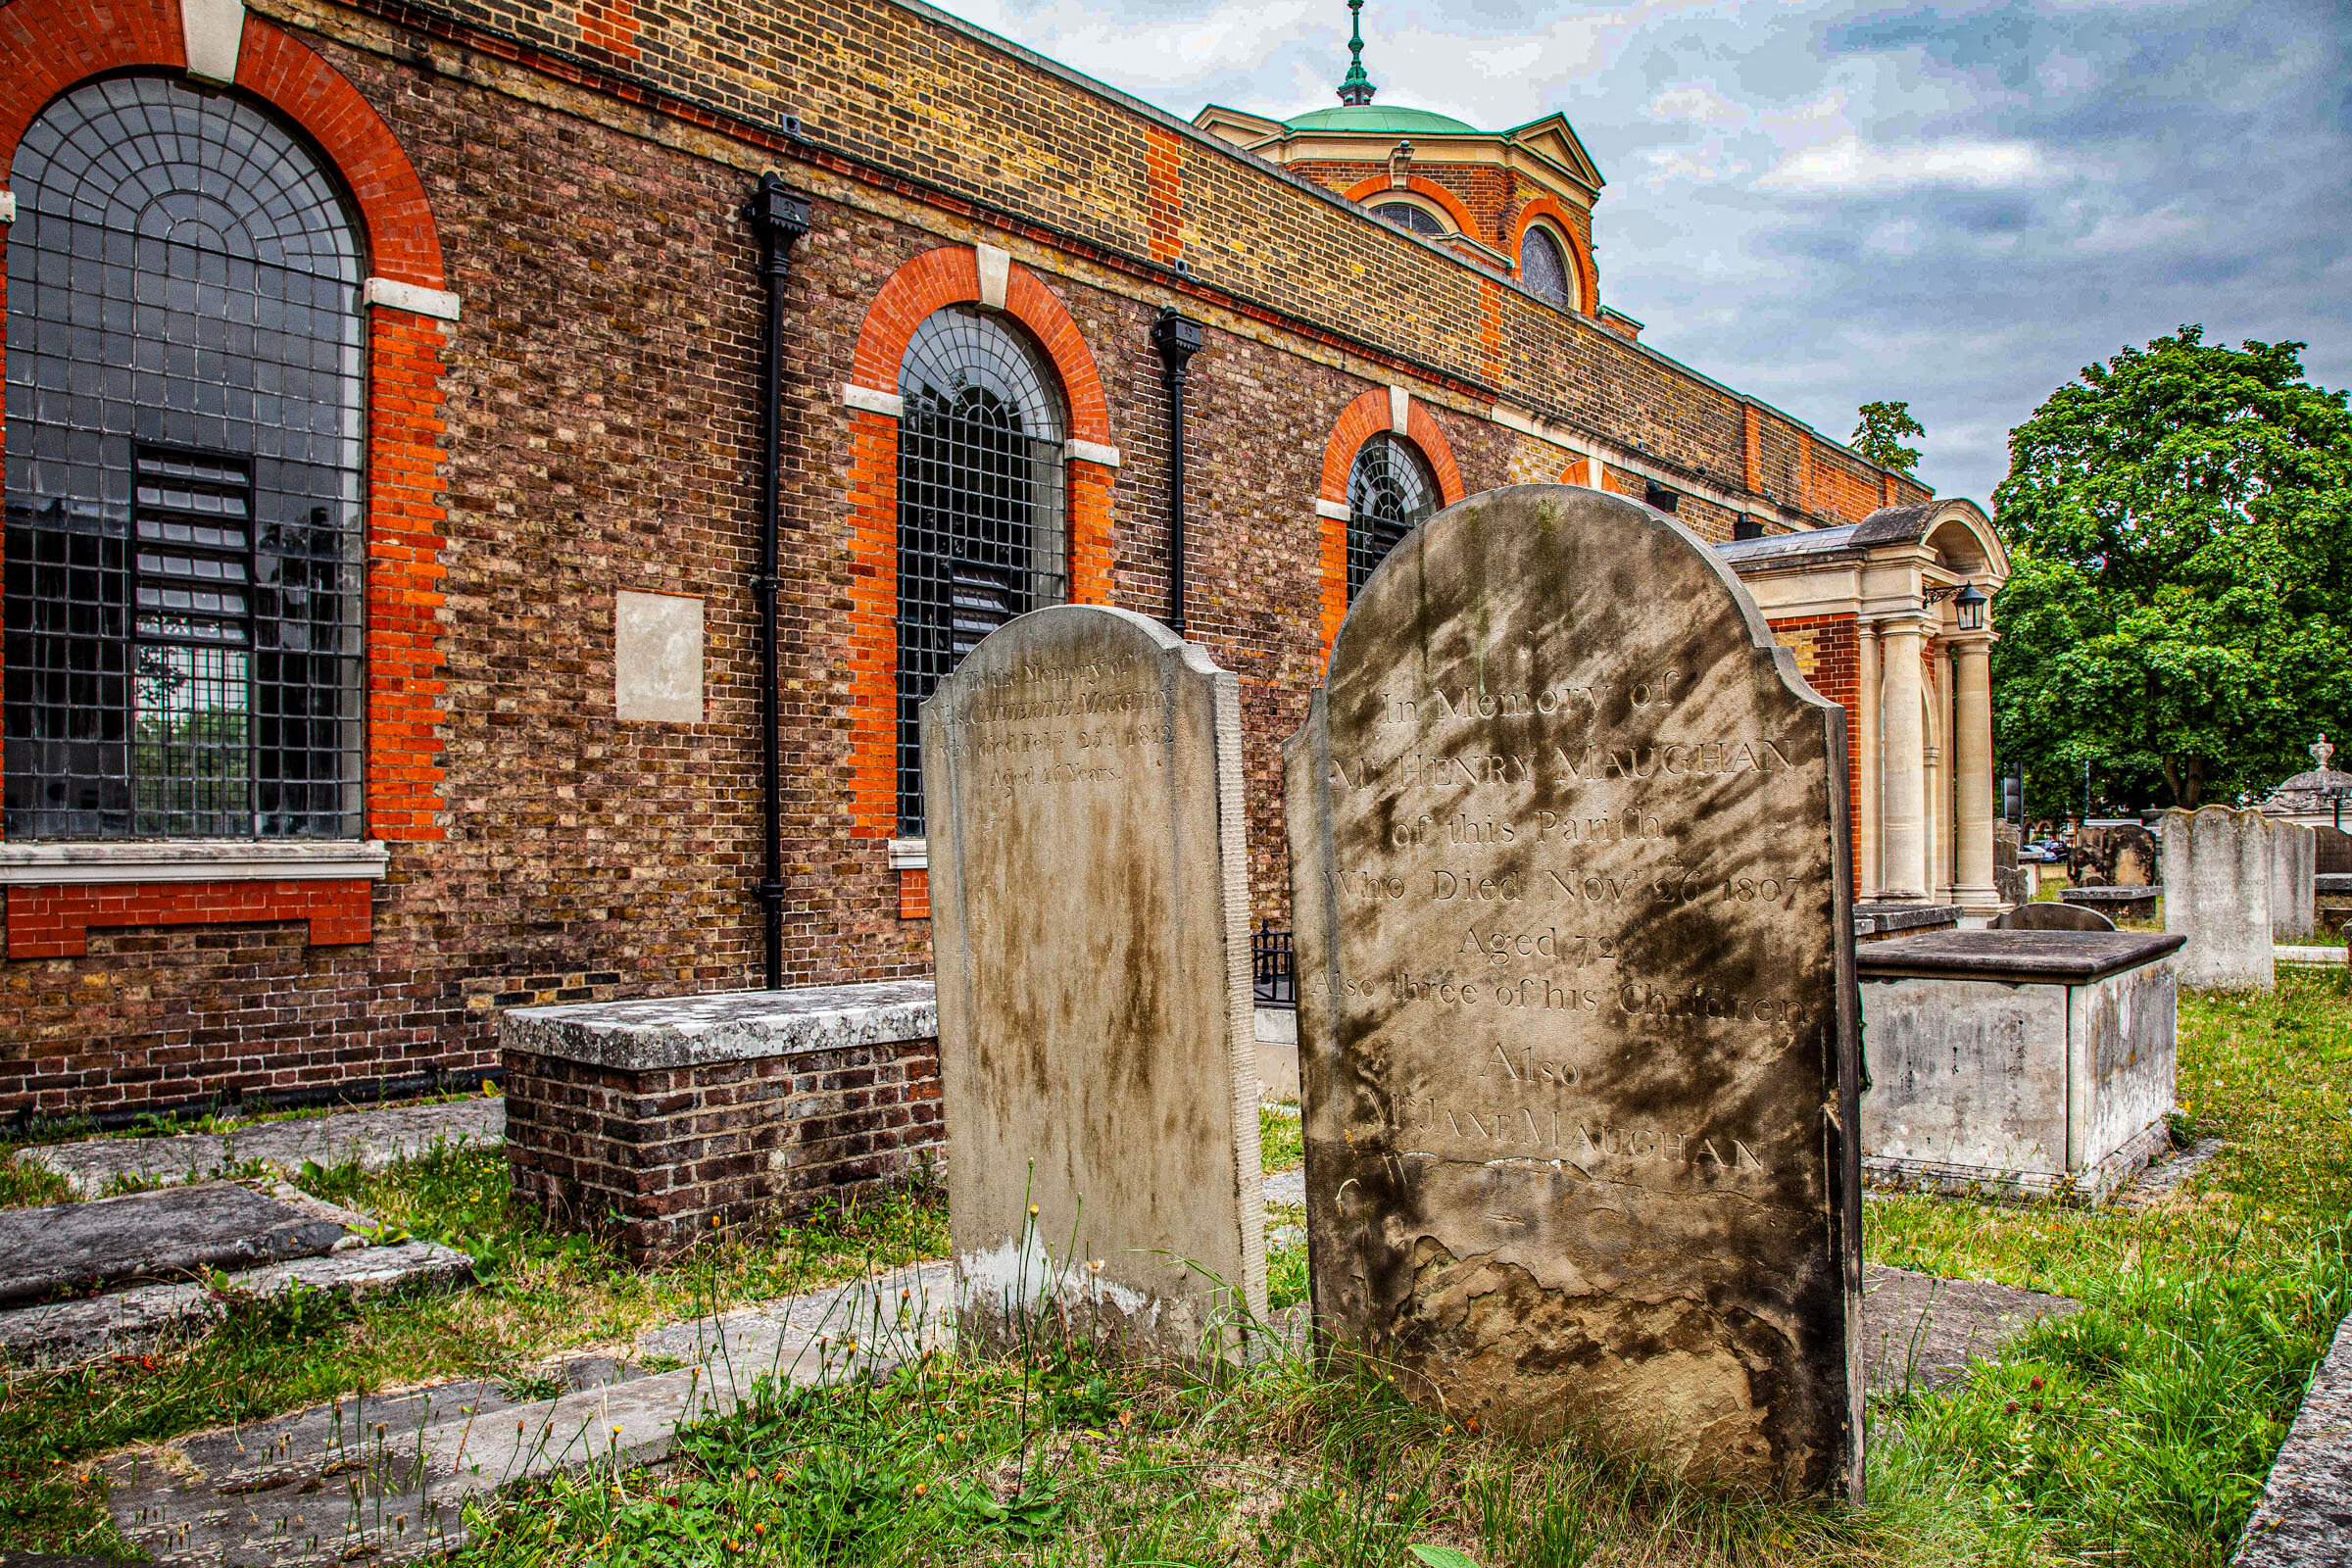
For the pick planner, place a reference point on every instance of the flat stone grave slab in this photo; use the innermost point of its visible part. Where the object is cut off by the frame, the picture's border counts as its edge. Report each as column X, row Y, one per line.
column 371, row 1139
column 151, row 1236
column 2019, row 1065
column 2305, row 1516
column 1921, row 1332
column 1575, row 936
column 2116, row 903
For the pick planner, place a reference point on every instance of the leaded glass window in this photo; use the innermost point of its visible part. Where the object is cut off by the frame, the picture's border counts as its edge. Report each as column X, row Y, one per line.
column 1409, row 218
column 1390, row 493
column 1544, row 268
column 183, row 597
column 980, row 507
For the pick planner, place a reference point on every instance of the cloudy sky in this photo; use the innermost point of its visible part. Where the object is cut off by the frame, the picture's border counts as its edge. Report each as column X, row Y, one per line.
column 1823, row 202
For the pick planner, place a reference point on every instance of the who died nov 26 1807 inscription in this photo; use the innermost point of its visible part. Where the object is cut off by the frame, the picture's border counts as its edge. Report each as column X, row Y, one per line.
column 1082, row 780
column 1575, row 949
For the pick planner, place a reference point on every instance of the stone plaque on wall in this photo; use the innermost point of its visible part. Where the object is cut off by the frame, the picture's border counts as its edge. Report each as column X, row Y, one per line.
column 1082, row 778
column 1575, row 956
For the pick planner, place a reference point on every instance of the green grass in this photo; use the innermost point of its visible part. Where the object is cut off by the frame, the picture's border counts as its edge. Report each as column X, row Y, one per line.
column 1281, row 1141
column 2134, row 1432
column 542, row 1296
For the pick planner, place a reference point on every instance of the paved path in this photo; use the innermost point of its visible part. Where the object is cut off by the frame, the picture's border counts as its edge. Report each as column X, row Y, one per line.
column 372, row 1138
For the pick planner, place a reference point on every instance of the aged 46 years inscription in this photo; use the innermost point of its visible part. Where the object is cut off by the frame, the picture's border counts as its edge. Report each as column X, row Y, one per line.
column 1576, row 996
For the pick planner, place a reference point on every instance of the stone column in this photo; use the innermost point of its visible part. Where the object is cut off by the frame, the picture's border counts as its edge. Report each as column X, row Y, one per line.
column 1903, row 742
column 1866, row 728
column 1972, row 776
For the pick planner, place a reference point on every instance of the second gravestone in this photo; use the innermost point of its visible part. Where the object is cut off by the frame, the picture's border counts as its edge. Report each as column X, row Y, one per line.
column 1575, row 959
column 1082, row 783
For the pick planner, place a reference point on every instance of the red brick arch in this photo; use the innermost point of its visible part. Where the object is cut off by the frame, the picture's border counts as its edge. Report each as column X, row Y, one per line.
column 1370, row 190
column 51, row 46
column 936, row 278
column 1359, row 422
column 1580, row 256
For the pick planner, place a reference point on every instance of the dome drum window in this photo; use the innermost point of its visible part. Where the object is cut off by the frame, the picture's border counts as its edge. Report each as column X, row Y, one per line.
column 981, row 530
column 184, row 541
column 1543, row 268
column 1412, row 219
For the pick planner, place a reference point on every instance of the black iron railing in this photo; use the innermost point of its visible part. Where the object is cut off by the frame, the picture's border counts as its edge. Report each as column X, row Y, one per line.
column 1273, row 968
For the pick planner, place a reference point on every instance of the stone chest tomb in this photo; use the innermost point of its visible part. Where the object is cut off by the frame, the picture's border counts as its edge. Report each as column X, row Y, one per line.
column 1090, row 906
column 1575, row 946
column 2018, row 1063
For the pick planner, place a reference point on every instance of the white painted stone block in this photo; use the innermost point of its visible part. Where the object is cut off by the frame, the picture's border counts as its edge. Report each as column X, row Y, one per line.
column 2217, row 893
column 214, row 31
column 658, row 657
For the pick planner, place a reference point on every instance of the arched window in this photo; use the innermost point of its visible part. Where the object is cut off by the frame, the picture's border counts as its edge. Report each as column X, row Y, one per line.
column 981, row 537
column 1409, row 218
column 1543, row 268
column 1390, row 492
column 185, row 522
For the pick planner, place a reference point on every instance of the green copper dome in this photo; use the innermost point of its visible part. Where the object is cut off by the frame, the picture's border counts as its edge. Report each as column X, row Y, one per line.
column 1378, row 117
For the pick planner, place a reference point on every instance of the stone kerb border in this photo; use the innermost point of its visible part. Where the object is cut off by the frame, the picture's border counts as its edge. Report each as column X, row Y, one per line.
column 660, row 1120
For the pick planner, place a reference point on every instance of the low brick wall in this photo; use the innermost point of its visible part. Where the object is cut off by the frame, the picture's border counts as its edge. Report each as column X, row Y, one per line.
column 654, row 1121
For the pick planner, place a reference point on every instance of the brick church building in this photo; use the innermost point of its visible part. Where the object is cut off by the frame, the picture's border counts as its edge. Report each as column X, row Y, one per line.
column 395, row 511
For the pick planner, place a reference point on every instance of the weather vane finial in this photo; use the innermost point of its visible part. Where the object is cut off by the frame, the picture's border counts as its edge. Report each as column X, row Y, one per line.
column 1355, row 89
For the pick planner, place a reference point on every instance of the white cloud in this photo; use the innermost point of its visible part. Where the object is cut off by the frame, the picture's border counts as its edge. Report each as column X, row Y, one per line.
column 1695, row 101
column 1710, row 165
column 1849, row 166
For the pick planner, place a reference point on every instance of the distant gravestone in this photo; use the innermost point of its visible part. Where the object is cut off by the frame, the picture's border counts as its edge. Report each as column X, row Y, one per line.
column 2334, row 851
column 2010, row 880
column 2053, row 918
column 1082, row 778
column 2217, row 893
column 2294, row 870
column 2113, row 852
column 1575, row 947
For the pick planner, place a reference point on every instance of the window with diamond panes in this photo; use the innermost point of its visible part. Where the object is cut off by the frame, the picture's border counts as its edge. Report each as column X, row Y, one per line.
column 980, row 507
column 1542, row 268
column 183, row 597
column 1390, row 492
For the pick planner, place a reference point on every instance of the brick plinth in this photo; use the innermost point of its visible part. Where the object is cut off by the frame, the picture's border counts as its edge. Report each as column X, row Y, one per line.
column 656, row 1159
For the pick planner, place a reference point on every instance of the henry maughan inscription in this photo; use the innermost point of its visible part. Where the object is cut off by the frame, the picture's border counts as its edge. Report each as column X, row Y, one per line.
column 1576, row 995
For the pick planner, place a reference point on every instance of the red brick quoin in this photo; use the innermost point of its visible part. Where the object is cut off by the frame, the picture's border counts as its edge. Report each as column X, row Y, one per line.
column 52, row 45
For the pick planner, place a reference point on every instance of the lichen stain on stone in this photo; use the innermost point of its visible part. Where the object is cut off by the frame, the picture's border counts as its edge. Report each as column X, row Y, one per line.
column 1677, row 1359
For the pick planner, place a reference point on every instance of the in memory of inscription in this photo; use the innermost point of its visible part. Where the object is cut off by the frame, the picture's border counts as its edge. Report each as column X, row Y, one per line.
column 1576, row 995
column 1089, row 928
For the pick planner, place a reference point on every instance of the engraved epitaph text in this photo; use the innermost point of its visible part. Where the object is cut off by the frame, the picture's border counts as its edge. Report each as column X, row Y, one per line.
column 1574, row 976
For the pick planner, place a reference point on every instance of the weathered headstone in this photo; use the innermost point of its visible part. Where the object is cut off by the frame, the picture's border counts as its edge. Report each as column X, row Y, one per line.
column 2217, row 893
column 2053, row 918
column 1574, row 948
column 2294, row 869
column 1082, row 780
column 2012, row 884
column 2113, row 852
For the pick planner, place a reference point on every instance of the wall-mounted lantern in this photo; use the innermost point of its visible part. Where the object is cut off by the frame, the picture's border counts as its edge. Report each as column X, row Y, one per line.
column 1969, row 606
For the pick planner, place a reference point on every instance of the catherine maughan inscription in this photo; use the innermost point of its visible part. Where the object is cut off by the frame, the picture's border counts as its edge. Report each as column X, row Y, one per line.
column 1576, row 1011
column 1091, row 931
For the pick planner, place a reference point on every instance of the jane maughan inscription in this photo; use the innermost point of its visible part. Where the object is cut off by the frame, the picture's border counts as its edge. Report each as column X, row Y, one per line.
column 1090, row 926
column 1574, row 926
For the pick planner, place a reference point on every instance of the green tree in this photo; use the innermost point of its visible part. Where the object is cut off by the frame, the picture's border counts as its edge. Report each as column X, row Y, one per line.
column 1880, row 435
column 2180, row 610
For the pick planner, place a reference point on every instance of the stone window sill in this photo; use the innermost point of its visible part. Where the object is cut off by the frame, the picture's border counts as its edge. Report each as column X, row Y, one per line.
column 43, row 864
column 910, row 854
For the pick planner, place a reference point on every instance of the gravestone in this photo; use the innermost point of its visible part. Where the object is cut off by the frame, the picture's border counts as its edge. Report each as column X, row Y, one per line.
column 2053, row 918
column 2217, row 893
column 2113, row 852
column 1082, row 780
column 1574, row 948
column 2294, row 870
column 2012, row 883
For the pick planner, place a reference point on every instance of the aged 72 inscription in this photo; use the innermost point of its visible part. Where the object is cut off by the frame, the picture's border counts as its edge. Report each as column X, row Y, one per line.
column 1573, row 928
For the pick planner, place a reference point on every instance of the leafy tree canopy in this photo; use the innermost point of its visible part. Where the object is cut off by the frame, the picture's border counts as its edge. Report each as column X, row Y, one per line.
column 2179, row 612
column 1880, row 435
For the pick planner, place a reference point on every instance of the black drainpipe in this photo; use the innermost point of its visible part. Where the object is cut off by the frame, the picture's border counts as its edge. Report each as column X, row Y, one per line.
column 778, row 217
column 1178, row 339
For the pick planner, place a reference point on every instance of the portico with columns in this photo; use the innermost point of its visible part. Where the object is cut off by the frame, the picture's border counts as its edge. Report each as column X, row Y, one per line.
column 1888, row 616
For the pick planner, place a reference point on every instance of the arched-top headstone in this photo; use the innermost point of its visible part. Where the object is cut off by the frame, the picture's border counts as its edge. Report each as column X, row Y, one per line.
column 1089, row 928
column 2053, row 918
column 1574, row 928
